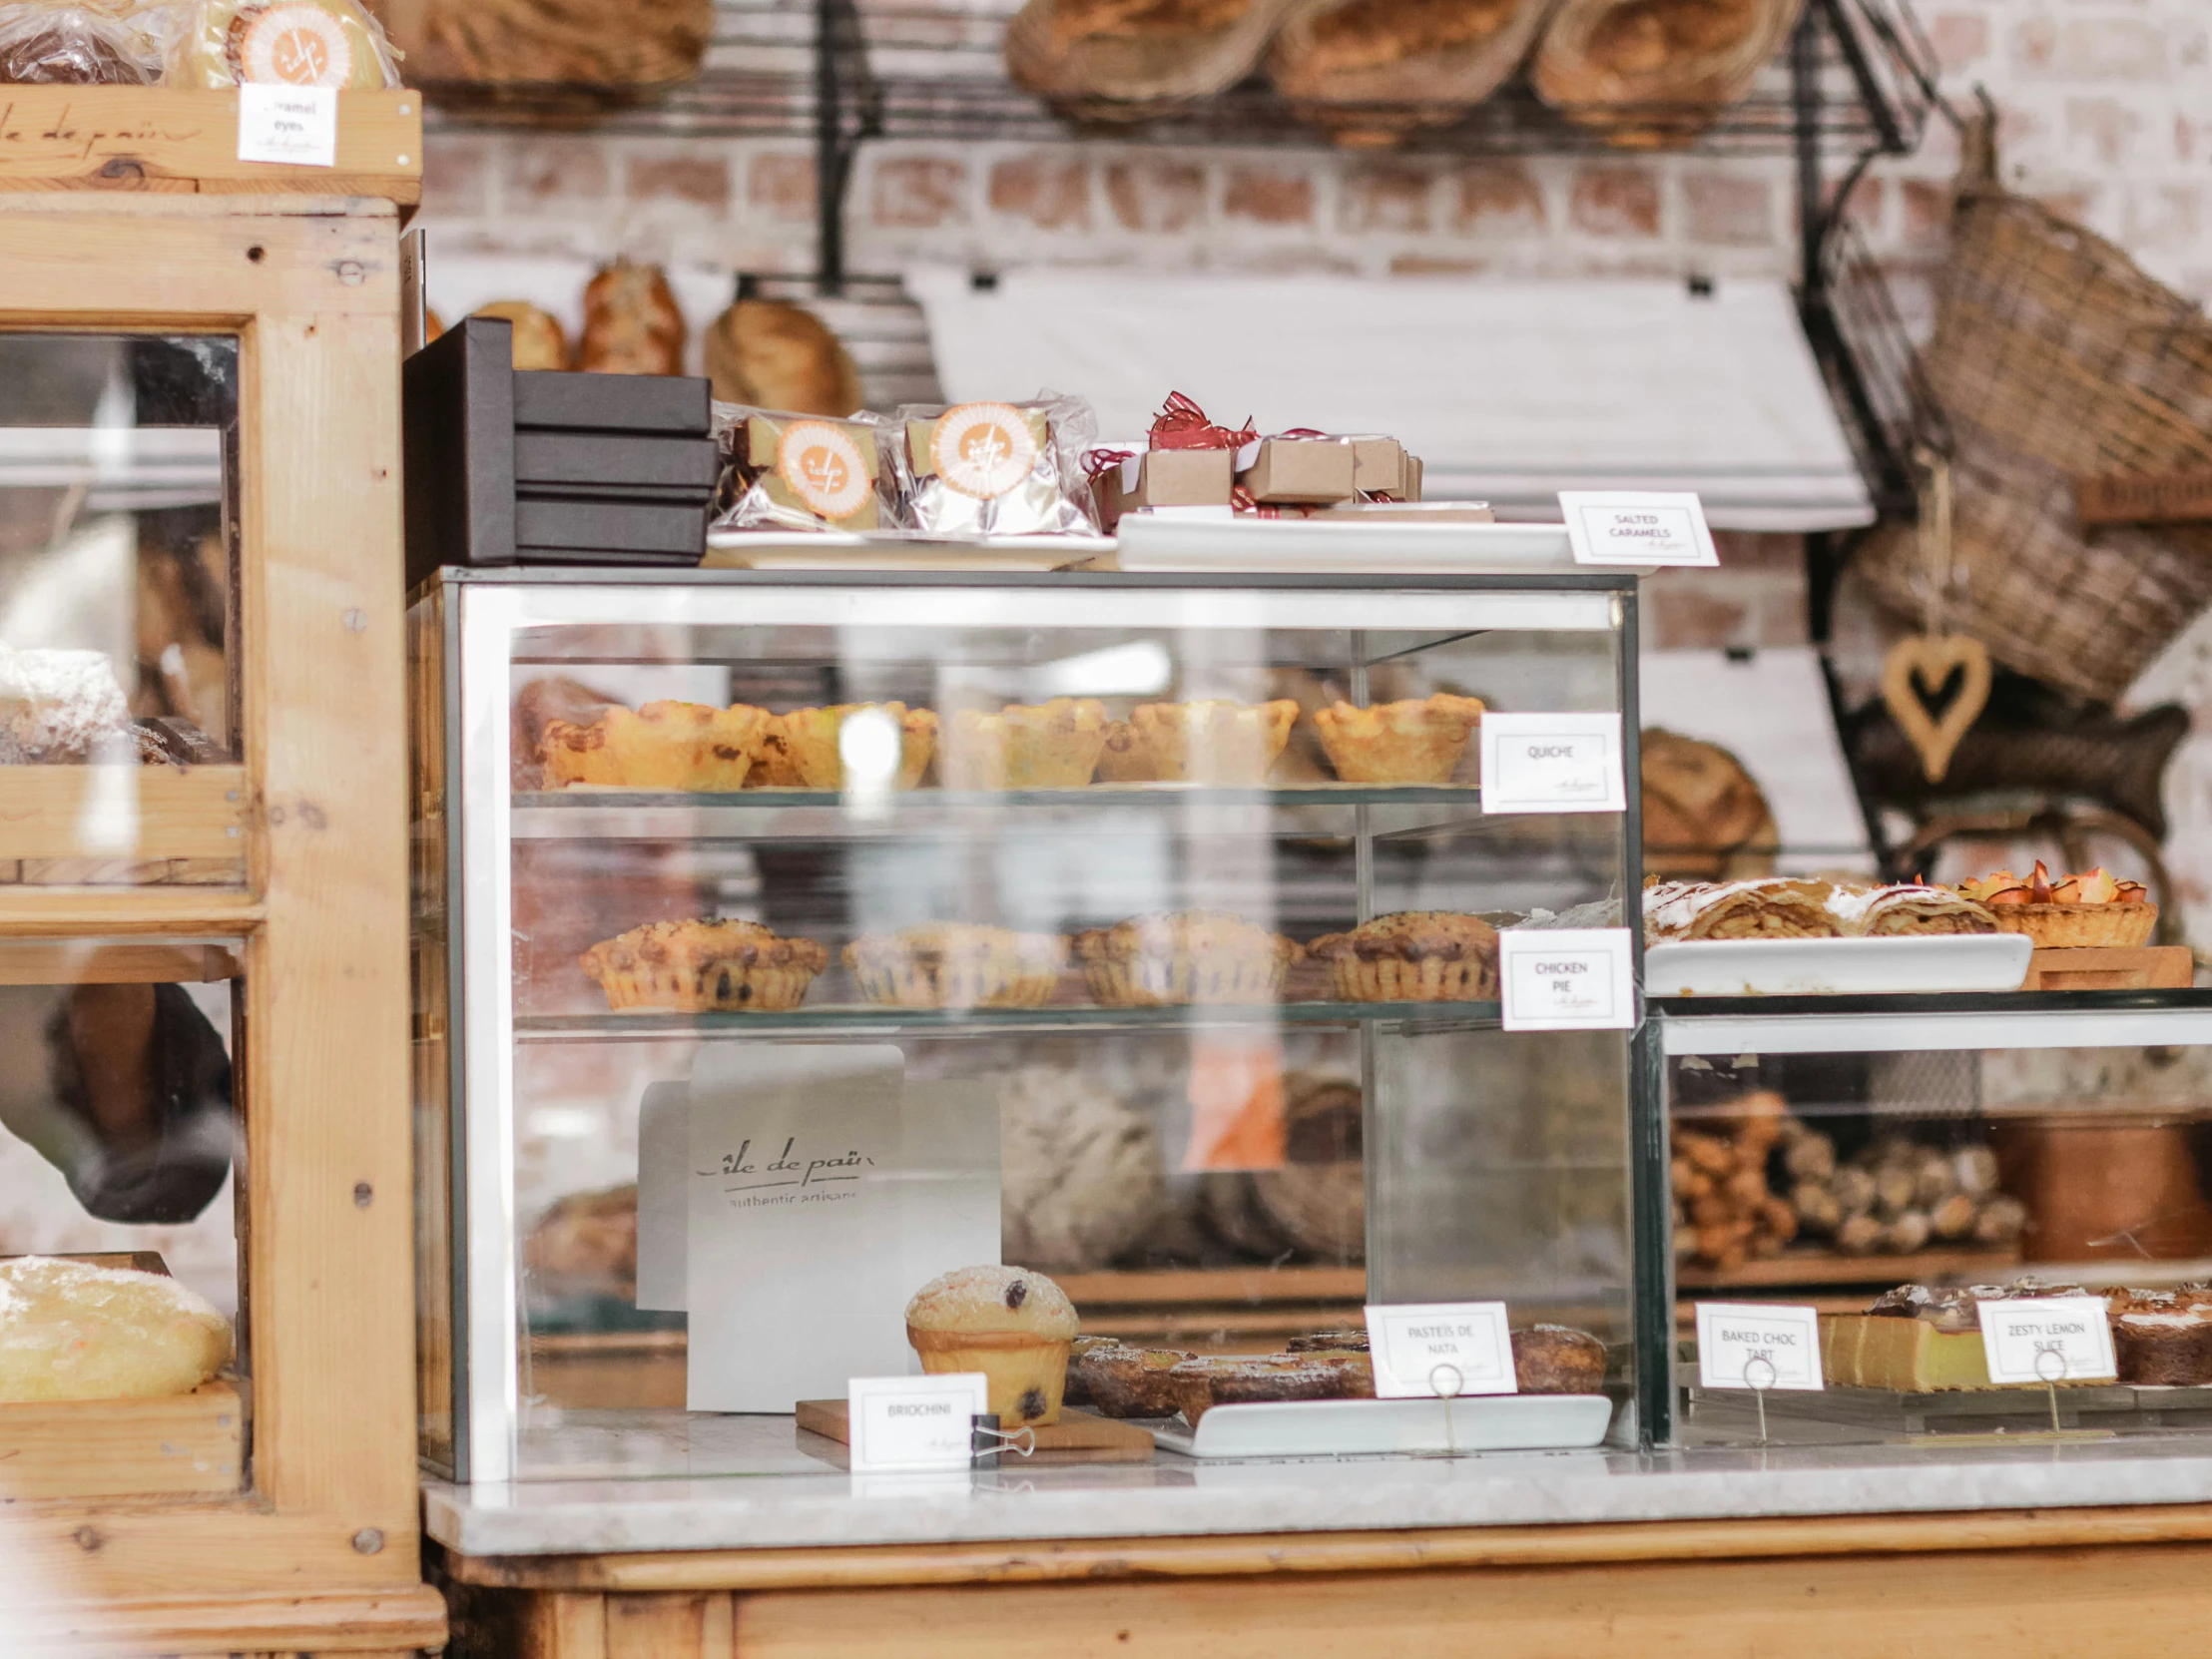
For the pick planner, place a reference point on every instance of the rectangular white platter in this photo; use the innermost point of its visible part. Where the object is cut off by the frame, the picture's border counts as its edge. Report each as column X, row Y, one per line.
column 1365, row 1427
column 1321, row 546
column 1837, row 968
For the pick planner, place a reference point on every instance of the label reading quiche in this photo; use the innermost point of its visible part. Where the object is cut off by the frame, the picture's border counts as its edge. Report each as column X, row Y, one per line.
column 983, row 449
column 823, row 467
column 293, row 45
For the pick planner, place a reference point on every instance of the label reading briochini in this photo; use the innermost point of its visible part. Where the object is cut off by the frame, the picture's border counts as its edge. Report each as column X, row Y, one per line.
column 915, row 1422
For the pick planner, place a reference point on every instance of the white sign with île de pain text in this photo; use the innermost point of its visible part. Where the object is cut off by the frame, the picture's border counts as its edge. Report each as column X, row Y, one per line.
column 915, row 1422
column 1565, row 980
column 2048, row 1338
column 1563, row 762
column 1432, row 1349
column 1624, row 527
column 1743, row 1344
column 294, row 124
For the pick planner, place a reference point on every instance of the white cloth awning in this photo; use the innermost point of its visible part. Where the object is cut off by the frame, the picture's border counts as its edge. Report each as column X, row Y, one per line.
column 1508, row 391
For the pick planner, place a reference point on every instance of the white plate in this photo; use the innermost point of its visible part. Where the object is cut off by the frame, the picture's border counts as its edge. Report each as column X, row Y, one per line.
column 1833, row 967
column 1311, row 545
column 895, row 550
column 1365, row 1427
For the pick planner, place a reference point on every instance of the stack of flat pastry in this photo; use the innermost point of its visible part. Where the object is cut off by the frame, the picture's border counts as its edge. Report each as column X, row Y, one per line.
column 1413, row 956
column 698, row 967
column 1373, row 71
column 1134, row 60
column 662, row 745
column 804, row 749
column 1908, row 909
column 1049, row 745
column 1653, row 74
column 949, row 965
column 1213, row 741
column 1418, row 741
column 1184, row 957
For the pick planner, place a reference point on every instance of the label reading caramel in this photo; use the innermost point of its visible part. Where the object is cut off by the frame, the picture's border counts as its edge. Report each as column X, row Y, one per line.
column 983, row 449
column 293, row 45
column 823, row 467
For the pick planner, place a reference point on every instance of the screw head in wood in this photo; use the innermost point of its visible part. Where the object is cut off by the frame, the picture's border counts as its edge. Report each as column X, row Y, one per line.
column 368, row 1540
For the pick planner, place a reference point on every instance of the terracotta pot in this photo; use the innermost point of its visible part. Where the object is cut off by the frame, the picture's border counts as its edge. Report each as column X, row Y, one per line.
column 2098, row 1188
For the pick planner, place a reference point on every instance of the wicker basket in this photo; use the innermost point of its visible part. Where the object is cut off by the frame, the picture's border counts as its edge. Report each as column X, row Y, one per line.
column 2055, row 356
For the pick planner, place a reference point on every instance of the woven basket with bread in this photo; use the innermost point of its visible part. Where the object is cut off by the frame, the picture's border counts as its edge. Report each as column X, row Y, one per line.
column 1654, row 74
column 1135, row 59
column 1373, row 72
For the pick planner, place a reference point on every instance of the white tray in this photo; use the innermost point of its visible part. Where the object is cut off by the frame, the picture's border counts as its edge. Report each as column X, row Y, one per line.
column 895, row 550
column 1363, row 1428
column 1311, row 545
column 1830, row 968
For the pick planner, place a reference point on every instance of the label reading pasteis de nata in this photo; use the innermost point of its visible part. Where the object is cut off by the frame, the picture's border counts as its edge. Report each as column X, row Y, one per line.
column 983, row 449
column 823, row 467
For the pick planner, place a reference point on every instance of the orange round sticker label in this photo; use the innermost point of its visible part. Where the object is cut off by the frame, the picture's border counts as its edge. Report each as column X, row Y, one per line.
column 300, row 46
column 823, row 467
column 983, row 449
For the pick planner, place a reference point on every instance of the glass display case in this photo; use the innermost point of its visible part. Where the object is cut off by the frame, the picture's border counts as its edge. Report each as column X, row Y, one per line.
column 998, row 918
column 1897, row 1163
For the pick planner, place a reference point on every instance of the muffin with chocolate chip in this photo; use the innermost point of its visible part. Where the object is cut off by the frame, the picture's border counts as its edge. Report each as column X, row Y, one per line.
column 1014, row 1325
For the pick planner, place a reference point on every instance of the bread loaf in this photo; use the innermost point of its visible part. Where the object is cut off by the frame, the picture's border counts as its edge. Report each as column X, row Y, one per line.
column 1705, row 819
column 1131, row 59
column 540, row 340
column 1373, row 71
column 1653, row 74
column 551, row 43
column 631, row 322
column 774, row 355
column 73, row 1330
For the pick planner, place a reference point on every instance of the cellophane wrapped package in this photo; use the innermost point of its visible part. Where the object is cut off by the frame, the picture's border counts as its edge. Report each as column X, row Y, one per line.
column 801, row 472
column 994, row 469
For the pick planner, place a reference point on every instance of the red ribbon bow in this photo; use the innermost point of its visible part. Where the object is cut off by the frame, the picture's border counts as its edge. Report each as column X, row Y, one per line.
column 1182, row 424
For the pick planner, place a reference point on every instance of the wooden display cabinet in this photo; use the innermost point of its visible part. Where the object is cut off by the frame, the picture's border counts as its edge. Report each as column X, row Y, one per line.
column 282, row 869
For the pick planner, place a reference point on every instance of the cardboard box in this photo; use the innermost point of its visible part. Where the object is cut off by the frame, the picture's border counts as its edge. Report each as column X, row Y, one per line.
column 1411, row 512
column 1377, row 466
column 1166, row 478
column 1292, row 471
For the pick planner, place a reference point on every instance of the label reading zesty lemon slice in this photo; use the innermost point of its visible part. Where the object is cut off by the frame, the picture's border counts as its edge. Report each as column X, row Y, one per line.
column 296, row 45
column 983, row 449
column 823, row 467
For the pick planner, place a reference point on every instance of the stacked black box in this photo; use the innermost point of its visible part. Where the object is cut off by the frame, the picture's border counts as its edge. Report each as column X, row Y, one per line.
column 507, row 469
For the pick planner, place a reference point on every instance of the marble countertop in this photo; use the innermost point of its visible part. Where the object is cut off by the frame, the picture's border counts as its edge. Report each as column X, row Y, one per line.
column 759, row 1482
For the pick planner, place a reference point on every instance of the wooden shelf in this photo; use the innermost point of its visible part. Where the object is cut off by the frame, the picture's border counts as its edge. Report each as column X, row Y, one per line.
column 1826, row 1267
column 87, row 815
column 175, row 139
column 173, row 1445
column 74, row 962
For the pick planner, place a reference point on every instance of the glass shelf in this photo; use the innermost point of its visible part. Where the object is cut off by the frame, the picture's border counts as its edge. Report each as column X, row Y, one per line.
column 647, row 1024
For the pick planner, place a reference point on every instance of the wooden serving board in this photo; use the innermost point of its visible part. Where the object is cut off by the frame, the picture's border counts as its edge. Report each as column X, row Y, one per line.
column 170, row 1445
column 2145, row 967
column 1078, row 1438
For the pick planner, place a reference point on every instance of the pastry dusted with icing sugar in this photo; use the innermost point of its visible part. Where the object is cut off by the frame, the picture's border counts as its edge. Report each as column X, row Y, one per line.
column 1010, row 1323
column 73, row 1330
column 60, row 706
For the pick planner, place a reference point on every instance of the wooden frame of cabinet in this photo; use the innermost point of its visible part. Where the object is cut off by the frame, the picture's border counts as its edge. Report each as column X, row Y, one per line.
column 319, row 1550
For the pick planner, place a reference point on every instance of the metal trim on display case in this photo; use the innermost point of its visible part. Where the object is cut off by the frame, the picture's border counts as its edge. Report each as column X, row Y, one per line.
column 1878, row 1025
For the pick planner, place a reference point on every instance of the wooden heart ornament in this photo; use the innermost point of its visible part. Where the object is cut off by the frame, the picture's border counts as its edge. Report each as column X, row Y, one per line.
column 1914, row 673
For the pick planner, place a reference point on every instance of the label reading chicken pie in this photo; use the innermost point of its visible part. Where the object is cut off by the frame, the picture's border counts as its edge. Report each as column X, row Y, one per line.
column 1565, row 980
column 983, row 449
column 823, row 467
column 295, row 46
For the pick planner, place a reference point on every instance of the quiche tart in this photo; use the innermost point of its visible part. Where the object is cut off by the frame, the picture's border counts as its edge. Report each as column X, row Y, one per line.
column 662, row 745
column 701, row 968
column 1179, row 957
column 1418, row 741
column 1413, row 956
column 951, row 964
column 1212, row 740
column 1047, row 746
column 802, row 749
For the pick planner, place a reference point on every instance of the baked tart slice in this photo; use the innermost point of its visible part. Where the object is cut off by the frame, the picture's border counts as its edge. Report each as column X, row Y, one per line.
column 1046, row 745
column 802, row 749
column 2068, row 911
column 1418, row 741
column 1212, row 740
column 704, row 968
column 660, row 746
column 951, row 964
column 1413, row 956
column 1181, row 956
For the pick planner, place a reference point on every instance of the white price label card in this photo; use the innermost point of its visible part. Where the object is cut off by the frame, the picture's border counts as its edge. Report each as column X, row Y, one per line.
column 1552, row 764
column 1637, row 527
column 2049, row 1338
column 1565, row 980
column 915, row 1422
column 1744, row 1345
column 1426, row 1350
column 298, row 124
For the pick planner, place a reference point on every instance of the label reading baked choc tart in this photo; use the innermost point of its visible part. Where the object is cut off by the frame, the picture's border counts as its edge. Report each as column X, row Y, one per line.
column 823, row 467
column 983, row 449
column 293, row 45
